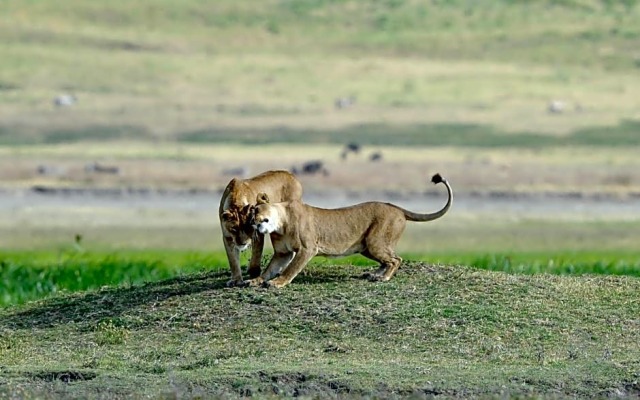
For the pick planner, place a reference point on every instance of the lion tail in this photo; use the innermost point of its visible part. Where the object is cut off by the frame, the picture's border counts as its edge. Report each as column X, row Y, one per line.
column 417, row 217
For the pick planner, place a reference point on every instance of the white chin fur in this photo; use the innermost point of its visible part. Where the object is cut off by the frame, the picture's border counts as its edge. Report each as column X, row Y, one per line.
column 266, row 228
column 243, row 247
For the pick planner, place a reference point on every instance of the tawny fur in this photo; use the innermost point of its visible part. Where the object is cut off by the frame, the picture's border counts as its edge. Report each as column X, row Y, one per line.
column 299, row 232
column 236, row 206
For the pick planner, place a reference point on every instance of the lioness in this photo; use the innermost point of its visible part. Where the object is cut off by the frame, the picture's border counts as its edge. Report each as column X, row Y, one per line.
column 236, row 205
column 299, row 231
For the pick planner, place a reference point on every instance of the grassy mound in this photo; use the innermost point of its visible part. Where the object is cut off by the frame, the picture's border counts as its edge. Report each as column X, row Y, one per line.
column 433, row 330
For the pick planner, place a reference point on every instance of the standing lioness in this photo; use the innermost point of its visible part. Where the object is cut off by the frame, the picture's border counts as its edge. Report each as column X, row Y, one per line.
column 236, row 207
column 299, row 231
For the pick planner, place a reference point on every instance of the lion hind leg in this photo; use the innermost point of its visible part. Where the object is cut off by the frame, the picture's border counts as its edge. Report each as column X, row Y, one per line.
column 391, row 268
column 380, row 244
column 373, row 275
column 389, row 264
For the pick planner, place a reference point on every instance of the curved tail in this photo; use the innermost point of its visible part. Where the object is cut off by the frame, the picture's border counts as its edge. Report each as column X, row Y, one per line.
column 411, row 216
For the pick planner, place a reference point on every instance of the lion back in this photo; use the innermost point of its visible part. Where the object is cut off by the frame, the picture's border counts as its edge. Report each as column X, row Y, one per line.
column 279, row 185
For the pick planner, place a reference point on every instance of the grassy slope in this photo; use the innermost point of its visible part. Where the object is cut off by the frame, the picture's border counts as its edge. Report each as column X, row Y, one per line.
column 432, row 330
column 32, row 275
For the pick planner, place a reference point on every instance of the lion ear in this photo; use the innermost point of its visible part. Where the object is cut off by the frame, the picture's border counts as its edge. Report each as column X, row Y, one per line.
column 263, row 198
column 247, row 210
column 227, row 215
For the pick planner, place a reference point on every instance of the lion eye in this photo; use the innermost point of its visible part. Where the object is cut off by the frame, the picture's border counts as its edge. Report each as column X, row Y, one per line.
column 266, row 220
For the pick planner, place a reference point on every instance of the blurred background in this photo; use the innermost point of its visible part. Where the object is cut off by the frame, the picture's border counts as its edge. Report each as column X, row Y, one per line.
column 121, row 122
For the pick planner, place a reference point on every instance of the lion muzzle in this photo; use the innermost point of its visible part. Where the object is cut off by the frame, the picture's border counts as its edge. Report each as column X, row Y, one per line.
column 265, row 227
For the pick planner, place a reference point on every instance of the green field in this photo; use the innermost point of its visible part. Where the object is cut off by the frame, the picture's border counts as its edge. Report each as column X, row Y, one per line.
column 438, row 73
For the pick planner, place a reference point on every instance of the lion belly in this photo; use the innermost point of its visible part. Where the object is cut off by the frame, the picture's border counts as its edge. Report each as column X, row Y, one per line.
column 339, row 252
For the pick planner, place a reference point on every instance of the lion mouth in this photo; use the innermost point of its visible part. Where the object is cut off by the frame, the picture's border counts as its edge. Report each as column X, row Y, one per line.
column 243, row 247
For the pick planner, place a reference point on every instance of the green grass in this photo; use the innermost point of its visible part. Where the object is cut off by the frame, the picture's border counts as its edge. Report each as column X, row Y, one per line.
column 563, row 263
column 161, row 70
column 32, row 275
column 433, row 135
column 12, row 137
column 392, row 28
column 465, row 135
column 448, row 330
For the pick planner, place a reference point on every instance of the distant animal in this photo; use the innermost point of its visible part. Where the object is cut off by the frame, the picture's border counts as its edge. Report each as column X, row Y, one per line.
column 236, row 205
column 299, row 232
column 556, row 106
column 101, row 169
column 237, row 171
column 77, row 239
column 344, row 102
column 65, row 100
column 377, row 156
column 353, row 147
column 49, row 170
column 350, row 148
column 311, row 168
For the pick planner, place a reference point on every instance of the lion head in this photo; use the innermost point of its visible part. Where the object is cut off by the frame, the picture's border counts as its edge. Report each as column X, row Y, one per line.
column 264, row 216
column 237, row 222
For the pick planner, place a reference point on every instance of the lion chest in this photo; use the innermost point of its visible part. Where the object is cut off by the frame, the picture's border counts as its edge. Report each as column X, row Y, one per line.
column 282, row 244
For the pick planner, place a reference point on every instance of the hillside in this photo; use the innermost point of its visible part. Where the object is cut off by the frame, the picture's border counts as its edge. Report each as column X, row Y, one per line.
column 450, row 331
column 225, row 71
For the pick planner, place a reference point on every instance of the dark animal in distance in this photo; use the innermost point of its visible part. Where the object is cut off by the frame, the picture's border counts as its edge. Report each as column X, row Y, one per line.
column 374, row 157
column 350, row 148
column 311, row 168
column 242, row 172
column 101, row 169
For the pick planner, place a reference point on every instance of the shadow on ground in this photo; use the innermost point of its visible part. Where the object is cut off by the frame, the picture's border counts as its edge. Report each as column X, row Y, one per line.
column 108, row 302
column 112, row 302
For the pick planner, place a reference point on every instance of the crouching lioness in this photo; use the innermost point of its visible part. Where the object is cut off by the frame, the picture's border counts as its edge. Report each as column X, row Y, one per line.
column 299, row 231
column 236, row 208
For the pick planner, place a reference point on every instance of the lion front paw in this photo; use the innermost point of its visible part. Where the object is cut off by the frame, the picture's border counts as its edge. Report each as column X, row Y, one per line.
column 275, row 283
column 255, row 282
column 234, row 282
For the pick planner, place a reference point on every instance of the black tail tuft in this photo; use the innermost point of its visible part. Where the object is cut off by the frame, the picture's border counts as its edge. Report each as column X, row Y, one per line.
column 437, row 179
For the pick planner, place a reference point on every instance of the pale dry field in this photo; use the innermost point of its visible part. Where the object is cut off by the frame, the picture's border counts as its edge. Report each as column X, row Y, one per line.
column 610, row 171
column 166, row 195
